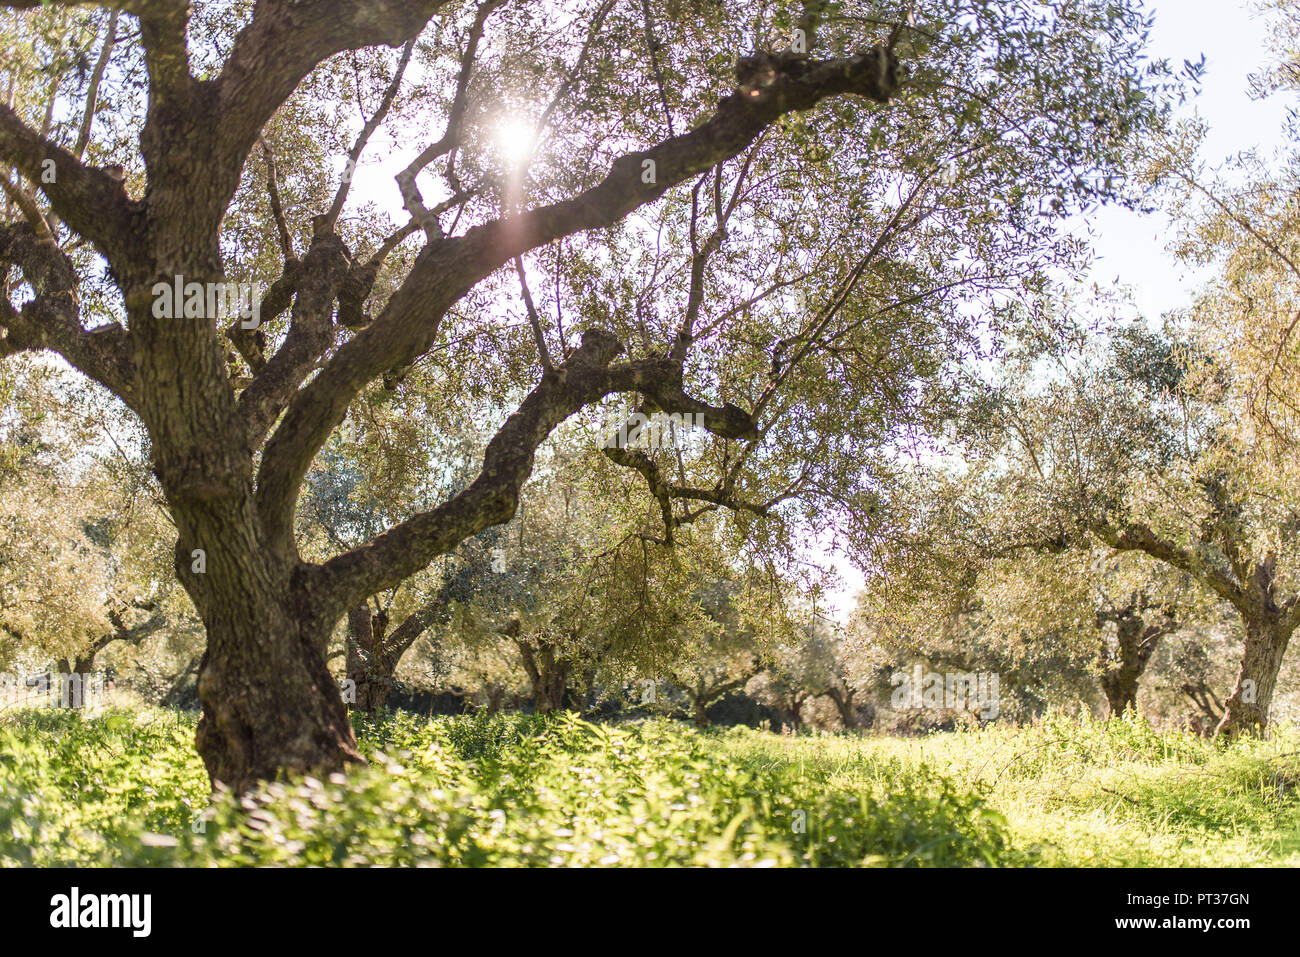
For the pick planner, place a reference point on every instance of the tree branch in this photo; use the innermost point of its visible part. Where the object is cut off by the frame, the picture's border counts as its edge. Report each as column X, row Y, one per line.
column 92, row 92
column 585, row 377
column 163, row 28
column 1140, row 537
column 273, row 193
column 280, row 46
column 51, row 320
column 434, row 611
column 443, row 272
column 354, row 154
column 450, row 138
column 89, row 200
column 543, row 353
column 319, row 279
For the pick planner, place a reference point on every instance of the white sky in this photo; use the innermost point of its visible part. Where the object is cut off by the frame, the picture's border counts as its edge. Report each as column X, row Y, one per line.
column 1232, row 37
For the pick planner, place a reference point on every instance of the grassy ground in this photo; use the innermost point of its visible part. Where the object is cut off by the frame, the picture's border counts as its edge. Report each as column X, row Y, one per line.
column 1089, row 794
column 126, row 787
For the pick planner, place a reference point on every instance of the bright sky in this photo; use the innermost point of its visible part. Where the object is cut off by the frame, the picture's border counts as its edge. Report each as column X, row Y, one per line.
column 1232, row 37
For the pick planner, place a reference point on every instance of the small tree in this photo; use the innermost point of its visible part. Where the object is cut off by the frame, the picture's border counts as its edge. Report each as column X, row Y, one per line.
column 83, row 552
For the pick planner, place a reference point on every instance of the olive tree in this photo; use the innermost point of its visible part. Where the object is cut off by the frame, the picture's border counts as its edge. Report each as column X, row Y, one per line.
column 1135, row 448
column 84, row 543
column 763, row 216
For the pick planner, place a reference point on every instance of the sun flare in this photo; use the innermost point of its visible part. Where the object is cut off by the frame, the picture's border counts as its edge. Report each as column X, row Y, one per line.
column 514, row 138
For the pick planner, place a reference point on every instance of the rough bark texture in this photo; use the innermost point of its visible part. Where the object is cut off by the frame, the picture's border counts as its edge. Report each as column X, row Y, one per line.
column 370, row 670
column 373, row 653
column 1124, row 662
column 270, row 705
column 1247, row 709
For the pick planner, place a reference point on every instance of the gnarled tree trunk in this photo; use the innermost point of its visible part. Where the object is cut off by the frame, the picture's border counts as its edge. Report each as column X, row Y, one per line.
column 700, row 709
column 75, row 672
column 373, row 653
column 1135, row 642
column 368, row 669
column 1250, row 584
column 549, row 675
column 74, row 676
column 842, row 696
column 1247, row 710
column 270, row 705
column 703, row 693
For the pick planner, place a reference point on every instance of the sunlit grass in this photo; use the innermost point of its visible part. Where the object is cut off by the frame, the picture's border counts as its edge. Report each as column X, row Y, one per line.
column 1084, row 793
column 127, row 787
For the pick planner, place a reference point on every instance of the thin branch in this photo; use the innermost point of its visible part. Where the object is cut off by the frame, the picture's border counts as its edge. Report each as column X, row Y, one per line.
column 354, row 154
column 653, row 44
column 26, row 204
column 92, row 92
column 273, row 192
column 411, row 198
column 533, row 319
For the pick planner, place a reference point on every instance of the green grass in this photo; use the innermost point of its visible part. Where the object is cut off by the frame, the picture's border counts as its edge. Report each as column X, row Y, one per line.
column 1087, row 793
column 126, row 788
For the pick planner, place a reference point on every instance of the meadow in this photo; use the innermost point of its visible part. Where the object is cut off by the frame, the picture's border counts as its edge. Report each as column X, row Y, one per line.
column 125, row 787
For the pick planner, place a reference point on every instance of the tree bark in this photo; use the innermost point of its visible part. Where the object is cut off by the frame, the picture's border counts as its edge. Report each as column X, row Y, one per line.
column 843, row 698
column 549, row 675
column 270, row 705
column 73, row 675
column 1247, row 711
column 368, row 667
column 82, row 664
column 374, row 653
column 1123, row 665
